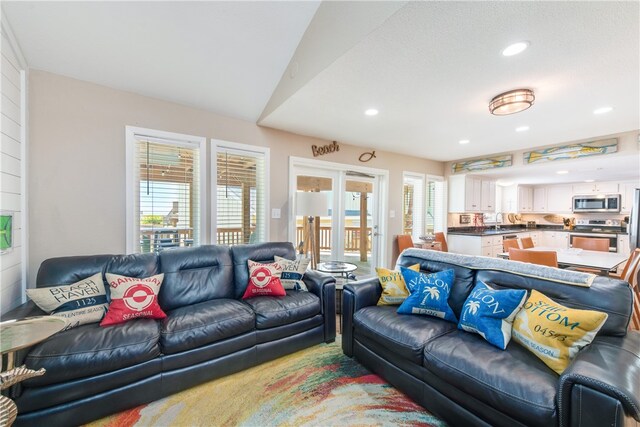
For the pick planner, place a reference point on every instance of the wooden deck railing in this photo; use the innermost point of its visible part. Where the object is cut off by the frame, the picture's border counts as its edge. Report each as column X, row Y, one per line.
column 351, row 238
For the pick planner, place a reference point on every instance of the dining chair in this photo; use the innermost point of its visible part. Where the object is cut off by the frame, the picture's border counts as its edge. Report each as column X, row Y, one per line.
column 526, row 242
column 630, row 268
column 634, row 324
column 591, row 244
column 509, row 243
column 405, row 241
column 548, row 258
column 439, row 237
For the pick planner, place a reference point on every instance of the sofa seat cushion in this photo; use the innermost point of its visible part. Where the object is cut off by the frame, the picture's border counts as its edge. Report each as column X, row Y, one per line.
column 277, row 311
column 513, row 381
column 406, row 334
column 93, row 349
column 199, row 324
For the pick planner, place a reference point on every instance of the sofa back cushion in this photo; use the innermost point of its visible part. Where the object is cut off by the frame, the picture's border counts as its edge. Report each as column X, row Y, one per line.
column 133, row 265
column 463, row 283
column 71, row 269
column 607, row 295
column 261, row 252
column 193, row 275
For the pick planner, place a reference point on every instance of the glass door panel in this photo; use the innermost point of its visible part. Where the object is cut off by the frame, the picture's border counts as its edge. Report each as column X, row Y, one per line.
column 360, row 230
column 323, row 224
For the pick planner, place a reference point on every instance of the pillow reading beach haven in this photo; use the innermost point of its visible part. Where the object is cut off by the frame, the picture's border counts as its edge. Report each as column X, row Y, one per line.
column 80, row 303
column 553, row 332
column 429, row 294
column 133, row 298
column 394, row 290
column 293, row 272
column 264, row 280
column 490, row 313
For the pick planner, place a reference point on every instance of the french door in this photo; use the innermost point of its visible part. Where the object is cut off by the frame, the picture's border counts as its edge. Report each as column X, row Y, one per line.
column 350, row 229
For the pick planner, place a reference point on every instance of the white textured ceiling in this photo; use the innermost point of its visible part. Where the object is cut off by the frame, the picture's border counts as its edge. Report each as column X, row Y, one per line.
column 225, row 57
column 432, row 68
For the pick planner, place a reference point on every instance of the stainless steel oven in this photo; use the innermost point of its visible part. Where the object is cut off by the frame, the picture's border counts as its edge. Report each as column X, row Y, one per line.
column 597, row 203
column 613, row 239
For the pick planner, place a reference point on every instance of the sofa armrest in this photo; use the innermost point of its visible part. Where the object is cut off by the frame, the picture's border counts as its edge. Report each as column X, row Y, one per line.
column 609, row 370
column 324, row 287
column 356, row 295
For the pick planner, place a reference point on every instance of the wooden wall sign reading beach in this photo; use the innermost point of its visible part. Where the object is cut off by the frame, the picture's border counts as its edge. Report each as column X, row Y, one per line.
column 325, row 149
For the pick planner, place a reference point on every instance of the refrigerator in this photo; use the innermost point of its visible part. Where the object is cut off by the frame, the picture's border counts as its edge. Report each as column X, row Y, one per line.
column 634, row 221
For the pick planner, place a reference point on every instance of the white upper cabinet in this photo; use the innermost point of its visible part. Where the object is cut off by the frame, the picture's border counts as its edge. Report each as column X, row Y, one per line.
column 559, row 199
column 471, row 194
column 627, row 191
column 596, row 188
column 525, row 199
column 488, row 196
column 540, row 199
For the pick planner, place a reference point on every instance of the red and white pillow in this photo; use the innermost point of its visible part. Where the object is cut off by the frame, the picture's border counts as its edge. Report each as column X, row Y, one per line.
column 264, row 280
column 133, row 298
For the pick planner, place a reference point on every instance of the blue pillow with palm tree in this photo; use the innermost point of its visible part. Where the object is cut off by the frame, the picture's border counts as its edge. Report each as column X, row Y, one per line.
column 490, row 313
column 429, row 294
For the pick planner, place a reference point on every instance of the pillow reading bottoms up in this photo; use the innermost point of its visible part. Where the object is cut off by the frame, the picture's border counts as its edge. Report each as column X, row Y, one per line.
column 553, row 332
column 133, row 298
column 80, row 303
column 394, row 290
column 429, row 294
column 293, row 272
column 490, row 313
column 264, row 280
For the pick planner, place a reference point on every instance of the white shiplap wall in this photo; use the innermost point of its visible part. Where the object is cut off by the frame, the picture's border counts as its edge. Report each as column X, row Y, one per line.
column 12, row 165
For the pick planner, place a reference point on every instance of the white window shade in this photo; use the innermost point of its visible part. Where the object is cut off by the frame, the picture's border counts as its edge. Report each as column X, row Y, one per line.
column 436, row 203
column 413, row 205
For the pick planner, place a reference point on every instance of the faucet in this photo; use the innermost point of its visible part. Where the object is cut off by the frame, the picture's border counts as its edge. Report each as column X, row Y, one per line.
column 501, row 220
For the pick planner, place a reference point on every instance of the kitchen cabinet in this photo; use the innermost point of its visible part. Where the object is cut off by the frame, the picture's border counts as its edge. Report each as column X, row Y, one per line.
column 555, row 239
column 559, row 199
column 471, row 194
column 627, row 191
column 623, row 245
column 525, row 199
column 489, row 246
column 596, row 188
column 540, row 199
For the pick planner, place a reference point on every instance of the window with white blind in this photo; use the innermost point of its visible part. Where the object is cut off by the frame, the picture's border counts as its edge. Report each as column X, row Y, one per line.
column 165, row 190
column 241, row 196
column 436, row 205
column 413, row 204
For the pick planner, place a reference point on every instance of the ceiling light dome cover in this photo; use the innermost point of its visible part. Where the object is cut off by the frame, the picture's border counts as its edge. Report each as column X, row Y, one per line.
column 511, row 102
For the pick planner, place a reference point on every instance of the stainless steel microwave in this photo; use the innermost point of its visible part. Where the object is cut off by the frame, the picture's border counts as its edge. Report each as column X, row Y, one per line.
column 597, row 203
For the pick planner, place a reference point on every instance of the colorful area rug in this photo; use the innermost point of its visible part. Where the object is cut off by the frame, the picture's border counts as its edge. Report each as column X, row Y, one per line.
column 319, row 386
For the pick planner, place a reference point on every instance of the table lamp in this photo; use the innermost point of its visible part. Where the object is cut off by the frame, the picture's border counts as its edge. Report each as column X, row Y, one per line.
column 311, row 205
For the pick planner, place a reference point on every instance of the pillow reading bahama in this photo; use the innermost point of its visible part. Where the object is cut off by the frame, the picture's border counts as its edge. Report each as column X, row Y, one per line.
column 429, row 294
column 553, row 332
column 80, row 303
column 490, row 313
column 293, row 272
column 394, row 290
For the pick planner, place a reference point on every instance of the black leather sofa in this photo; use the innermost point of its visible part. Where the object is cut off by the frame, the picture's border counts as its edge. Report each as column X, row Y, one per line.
column 466, row 381
column 209, row 332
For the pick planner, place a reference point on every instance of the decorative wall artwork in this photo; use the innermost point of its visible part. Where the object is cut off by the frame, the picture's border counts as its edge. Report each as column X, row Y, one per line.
column 572, row 151
column 325, row 149
column 482, row 164
column 465, row 219
column 365, row 157
column 6, row 232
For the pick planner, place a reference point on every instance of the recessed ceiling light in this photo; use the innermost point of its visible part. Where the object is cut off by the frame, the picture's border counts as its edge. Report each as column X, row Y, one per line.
column 522, row 128
column 602, row 110
column 371, row 112
column 589, row 180
column 562, row 172
column 464, row 141
column 515, row 48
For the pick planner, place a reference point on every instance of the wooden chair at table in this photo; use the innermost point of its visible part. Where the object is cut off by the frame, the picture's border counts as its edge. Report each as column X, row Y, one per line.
column 526, row 242
column 439, row 237
column 403, row 241
column 509, row 243
column 591, row 244
column 548, row 258
column 634, row 324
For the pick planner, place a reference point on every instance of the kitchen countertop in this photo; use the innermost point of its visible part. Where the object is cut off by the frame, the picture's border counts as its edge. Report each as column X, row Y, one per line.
column 512, row 229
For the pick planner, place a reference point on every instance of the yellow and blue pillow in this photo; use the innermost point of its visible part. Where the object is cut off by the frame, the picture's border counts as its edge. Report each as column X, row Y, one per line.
column 394, row 290
column 429, row 294
column 490, row 313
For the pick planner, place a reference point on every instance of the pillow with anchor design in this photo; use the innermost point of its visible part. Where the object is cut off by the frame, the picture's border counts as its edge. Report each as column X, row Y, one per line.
column 490, row 313
column 429, row 294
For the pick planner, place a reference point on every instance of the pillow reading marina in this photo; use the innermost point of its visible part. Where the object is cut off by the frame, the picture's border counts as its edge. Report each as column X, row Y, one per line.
column 490, row 313
column 133, row 298
column 429, row 294
column 553, row 332
column 264, row 280
column 293, row 272
column 80, row 303
column 394, row 290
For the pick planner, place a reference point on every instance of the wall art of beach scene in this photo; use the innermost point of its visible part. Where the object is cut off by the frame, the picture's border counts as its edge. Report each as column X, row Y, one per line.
column 572, row 151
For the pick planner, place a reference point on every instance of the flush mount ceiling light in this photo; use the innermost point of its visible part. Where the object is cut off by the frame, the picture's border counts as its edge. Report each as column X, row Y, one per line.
column 464, row 141
column 371, row 112
column 602, row 110
column 511, row 102
column 515, row 48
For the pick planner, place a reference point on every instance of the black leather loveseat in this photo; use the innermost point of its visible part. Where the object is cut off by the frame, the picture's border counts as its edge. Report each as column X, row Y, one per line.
column 209, row 332
column 466, row 381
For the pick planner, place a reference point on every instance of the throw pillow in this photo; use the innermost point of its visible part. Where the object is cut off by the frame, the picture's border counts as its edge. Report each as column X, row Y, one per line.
column 133, row 298
column 264, row 280
column 394, row 290
column 429, row 294
column 553, row 332
column 293, row 272
column 490, row 313
column 82, row 302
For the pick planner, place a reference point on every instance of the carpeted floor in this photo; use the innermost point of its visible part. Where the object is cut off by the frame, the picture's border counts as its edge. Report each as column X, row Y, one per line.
column 319, row 386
